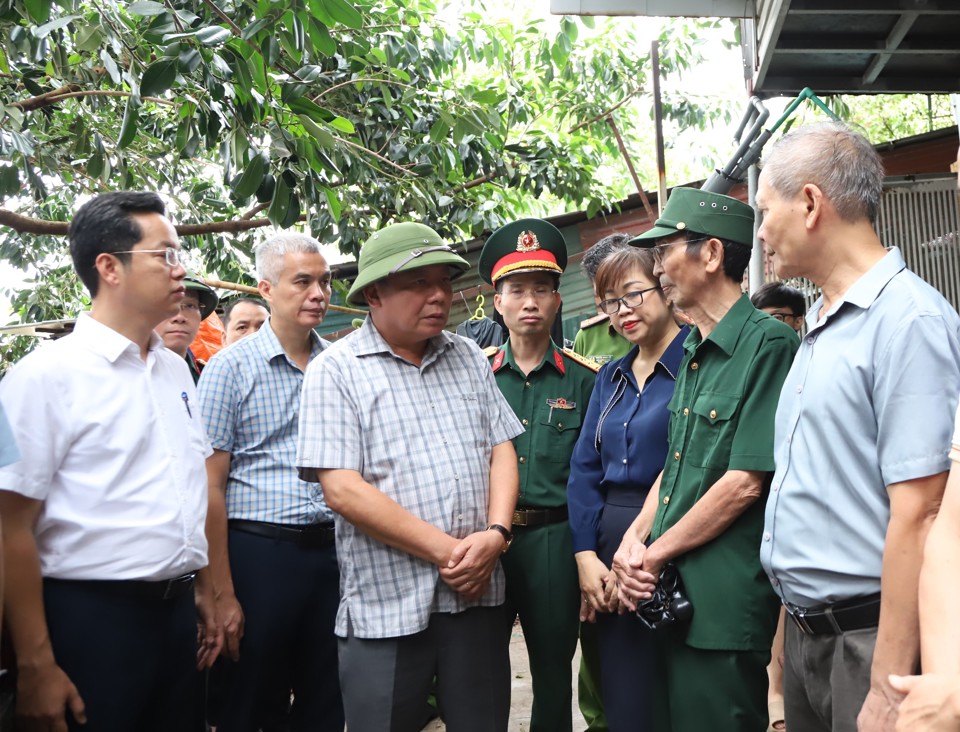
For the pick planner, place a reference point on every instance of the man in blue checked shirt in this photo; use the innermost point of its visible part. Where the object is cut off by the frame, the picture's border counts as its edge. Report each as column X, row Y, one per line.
column 405, row 428
column 273, row 560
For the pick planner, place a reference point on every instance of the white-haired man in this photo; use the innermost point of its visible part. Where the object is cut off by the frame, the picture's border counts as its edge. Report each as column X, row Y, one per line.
column 273, row 560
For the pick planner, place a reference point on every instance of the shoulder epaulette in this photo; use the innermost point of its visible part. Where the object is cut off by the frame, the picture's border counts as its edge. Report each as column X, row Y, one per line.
column 582, row 360
column 595, row 320
column 491, row 351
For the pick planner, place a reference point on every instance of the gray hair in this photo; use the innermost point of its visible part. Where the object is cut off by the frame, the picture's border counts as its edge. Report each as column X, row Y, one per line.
column 595, row 255
column 839, row 161
column 270, row 253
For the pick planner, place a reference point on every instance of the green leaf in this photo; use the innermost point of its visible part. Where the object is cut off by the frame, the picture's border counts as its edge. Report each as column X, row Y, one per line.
column 439, row 131
column 88, row 38
column 146, row 8
column 158, row 77
column 317, row 132
column 255, row 27
column 333, row 202
column 344, row 125
column 131, row 116
column 247, row 183
column 279, row 203
column 44, row 30
column 213, row 35
column 38, row 10
column 344, row 12
column 320, row 35
column 111, row 66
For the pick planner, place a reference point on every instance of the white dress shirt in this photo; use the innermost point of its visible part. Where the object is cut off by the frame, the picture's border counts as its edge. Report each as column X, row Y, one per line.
column 114, row 447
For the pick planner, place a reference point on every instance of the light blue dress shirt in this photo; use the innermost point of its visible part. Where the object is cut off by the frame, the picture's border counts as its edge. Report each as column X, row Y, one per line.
column 250, row 398
column 869, row 402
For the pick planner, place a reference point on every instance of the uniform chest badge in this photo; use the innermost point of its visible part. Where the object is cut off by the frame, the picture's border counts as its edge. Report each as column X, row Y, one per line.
column 561, row 403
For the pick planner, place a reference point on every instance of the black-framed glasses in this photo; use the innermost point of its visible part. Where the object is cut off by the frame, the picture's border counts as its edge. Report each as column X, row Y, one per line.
column 781, row 316
column 170, row 254
column 630, row 300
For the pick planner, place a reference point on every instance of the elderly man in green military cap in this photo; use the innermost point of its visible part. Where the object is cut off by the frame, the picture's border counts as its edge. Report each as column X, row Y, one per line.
column 705, row 514
column 549, row 389
column 179, row 331
column 403, row 425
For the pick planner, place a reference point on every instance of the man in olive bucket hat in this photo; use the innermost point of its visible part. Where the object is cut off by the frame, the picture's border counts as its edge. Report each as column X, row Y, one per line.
column 422, row 476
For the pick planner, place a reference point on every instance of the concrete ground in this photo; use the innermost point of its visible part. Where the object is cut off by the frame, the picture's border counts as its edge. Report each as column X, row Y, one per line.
column 521, row 697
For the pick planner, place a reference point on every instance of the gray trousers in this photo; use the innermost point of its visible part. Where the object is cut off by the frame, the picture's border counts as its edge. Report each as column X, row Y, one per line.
column 386, row 682
column 826, row 678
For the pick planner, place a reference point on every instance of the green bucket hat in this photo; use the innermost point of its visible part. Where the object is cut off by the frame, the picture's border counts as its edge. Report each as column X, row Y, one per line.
column 206, row 294
column 702, row 212
column 399, row 248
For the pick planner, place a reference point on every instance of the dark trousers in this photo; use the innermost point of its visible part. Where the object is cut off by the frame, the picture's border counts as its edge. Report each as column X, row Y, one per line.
column 720, row 691
column 626, row 671
column 132, row 658
column 386, row 681
column 826, row 678
column 544, row 590
column 289, row 596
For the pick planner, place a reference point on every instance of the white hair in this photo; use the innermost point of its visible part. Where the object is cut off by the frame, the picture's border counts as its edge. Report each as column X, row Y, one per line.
column 269, row 254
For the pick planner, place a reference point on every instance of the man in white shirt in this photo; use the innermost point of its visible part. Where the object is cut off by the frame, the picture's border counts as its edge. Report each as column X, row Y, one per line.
column 103, row 517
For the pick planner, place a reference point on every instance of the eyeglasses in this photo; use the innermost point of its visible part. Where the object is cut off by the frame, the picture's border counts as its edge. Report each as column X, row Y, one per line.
column 660, row 250
column 781, row 316
column 538, row 292
column 170, row 254
column 630, row 300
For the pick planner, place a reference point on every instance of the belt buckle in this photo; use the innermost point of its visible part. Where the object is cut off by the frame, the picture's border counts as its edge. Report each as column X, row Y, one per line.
column 799, row 617
column 520, row 518
column 174, row 584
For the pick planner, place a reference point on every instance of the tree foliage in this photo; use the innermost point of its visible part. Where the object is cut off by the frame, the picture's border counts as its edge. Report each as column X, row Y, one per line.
column 334, row 116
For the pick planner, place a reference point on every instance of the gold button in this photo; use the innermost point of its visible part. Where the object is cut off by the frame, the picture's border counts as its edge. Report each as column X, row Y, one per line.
column 559, row 425
column 526, row 383
column 525, row 422
column 694, row 366
column 686, row 411
column 522, row 460
column 713, row 414
column 666, row 500
column 676, row 456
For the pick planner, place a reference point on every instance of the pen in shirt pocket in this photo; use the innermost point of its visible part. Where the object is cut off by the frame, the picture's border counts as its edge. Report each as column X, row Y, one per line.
column 186, row 403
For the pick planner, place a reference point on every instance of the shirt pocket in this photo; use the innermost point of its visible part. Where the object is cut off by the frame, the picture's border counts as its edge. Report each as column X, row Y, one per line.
column 557, row 433
column 712, row 436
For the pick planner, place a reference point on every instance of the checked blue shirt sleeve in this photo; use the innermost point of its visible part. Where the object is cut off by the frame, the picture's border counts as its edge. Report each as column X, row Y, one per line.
column 219, row 403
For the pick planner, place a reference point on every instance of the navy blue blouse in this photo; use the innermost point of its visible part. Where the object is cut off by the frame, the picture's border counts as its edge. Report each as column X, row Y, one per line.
column 623, row 441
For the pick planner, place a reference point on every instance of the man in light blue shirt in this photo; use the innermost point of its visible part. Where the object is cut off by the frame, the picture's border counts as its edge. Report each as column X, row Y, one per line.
column 278, row 585
column 862, row 435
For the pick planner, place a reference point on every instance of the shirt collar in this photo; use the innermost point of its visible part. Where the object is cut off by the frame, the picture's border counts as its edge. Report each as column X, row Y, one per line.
column 104, row 340
column 669, row 360
column 552, row 356
column 726, row 333
column 865, row 290
column 270, row 347
column 368, row 342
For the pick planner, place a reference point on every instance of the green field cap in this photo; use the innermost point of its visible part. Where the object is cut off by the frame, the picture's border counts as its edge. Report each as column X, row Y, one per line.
column 702, row 212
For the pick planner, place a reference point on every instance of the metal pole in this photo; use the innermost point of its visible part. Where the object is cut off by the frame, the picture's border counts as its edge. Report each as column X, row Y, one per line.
column 755, row 277
column 658, row 120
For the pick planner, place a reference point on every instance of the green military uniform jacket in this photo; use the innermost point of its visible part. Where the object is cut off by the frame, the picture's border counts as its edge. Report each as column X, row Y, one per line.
column 551, row 402
column 598, row 340
column 722, row 418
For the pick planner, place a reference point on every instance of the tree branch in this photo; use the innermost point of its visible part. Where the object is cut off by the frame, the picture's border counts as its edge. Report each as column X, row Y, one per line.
column 26, row 225
column 43, row 100
column 224, row 17
column 357, row 81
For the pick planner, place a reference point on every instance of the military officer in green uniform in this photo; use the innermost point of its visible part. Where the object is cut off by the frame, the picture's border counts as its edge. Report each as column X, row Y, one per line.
column 705, row 513
column 549, row 389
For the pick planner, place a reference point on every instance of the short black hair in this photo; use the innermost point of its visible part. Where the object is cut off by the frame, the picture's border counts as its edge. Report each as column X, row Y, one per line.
column 228, row 308
column 105, row 224
column 736, row 256
column 779, row 295
column 595, row 255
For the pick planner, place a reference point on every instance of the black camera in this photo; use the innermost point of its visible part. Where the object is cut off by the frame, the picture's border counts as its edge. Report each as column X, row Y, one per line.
column 669, row 604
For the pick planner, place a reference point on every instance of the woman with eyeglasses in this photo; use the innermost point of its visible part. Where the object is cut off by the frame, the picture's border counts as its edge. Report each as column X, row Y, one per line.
column 620, row 452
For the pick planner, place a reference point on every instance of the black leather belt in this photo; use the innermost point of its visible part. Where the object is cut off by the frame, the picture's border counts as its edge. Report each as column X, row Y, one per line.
column 529, row 517
column 158, row 589
column 310, row 537
column 855, row 614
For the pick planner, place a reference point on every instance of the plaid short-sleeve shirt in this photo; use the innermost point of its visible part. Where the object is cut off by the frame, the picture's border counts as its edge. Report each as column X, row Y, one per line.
column 422, row 436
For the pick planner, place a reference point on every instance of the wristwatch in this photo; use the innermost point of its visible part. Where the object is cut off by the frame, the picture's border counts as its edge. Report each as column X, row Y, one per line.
column 504, row 532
